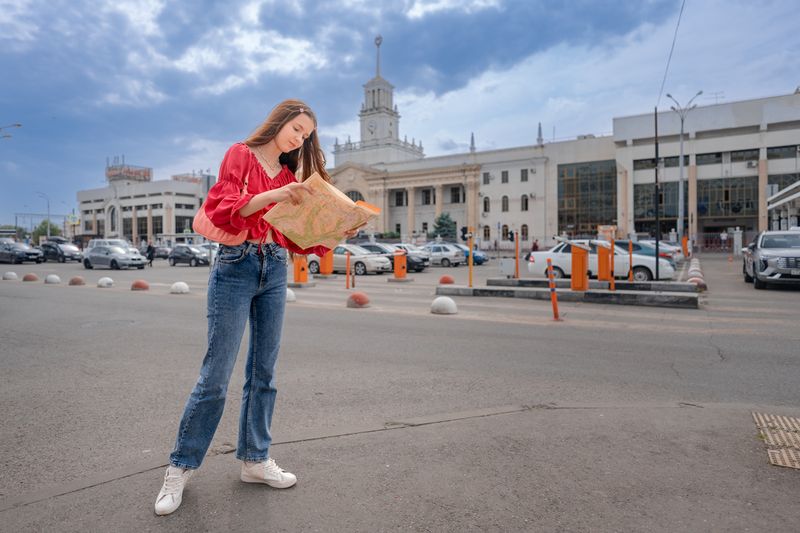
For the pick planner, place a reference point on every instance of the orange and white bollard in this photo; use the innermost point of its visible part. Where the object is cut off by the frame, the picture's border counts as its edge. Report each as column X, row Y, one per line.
column 630, row 258
column 553, row 296
column 400, row 265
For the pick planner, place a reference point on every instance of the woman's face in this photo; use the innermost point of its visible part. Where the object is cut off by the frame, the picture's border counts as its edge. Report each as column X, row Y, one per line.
column 293, row 133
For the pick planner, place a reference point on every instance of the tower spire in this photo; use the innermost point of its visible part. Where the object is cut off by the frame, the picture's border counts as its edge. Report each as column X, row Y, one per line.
column 378, row 41
column 472, row 142
column 539, row 138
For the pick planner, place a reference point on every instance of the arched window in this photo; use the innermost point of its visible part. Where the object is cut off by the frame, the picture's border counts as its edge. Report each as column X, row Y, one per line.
column 355, row 196
column 505, row 203
column 112, row 219
column 487, row 204
column 505, row 232
column 524, row 232
column 523, row 204
column 487, row 233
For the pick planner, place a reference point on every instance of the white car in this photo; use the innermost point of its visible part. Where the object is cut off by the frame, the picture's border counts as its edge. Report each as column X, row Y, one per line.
column 445, row 254
column 561, row 257
column 362, row 261
column 413, row 249
column 665, row 247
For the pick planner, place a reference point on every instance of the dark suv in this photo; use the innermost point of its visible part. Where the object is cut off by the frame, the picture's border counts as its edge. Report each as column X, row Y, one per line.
column 184, row 253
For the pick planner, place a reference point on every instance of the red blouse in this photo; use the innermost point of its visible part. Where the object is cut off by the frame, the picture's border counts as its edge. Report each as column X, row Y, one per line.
column 225, row 198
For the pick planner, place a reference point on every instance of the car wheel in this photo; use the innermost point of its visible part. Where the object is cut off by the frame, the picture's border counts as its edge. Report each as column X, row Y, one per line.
column 62, row 259
column 313, row 267
column 192, row 262
column 360, row 269
column 445, row 262
column 641, row 273
column 172, row 261
column 140, row 267
column 114, row 265
column 557, row 273
column 87, row 264
column 747, row 277
column 40, row 260
column 757, row 283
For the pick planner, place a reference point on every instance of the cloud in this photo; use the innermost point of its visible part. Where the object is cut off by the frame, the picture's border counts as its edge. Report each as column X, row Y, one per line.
column 418, row 9
column 142, row 15
column 16, row 25
column 133, row 92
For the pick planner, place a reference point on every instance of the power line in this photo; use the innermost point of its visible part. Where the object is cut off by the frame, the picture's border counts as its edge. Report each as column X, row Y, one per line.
column 672, row 48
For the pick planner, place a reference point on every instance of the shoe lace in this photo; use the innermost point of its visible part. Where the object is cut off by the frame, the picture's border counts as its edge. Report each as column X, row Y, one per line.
column 172, row 483
column 272, row 467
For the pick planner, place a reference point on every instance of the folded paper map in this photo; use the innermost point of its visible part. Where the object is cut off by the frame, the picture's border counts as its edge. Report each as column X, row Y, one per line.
column 321, row 218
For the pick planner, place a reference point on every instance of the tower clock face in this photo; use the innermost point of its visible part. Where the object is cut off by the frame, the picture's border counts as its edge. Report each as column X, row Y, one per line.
column 371, row 125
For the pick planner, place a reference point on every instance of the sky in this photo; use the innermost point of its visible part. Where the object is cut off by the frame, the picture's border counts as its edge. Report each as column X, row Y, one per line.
column 171, row 84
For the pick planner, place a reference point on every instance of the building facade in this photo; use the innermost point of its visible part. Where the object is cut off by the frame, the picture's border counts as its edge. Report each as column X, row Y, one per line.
column 135, row 208
column 736, row 155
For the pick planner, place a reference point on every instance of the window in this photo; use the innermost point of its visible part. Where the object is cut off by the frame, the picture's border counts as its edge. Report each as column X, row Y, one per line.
column 709, row 159
column 339, row 250
column 141, row 227
column 455, row 195
column 727, row 197
column 523, row 203
column 427, row 196
column 156, row 206
column 127, row 228
column 486, row 178
column 400, row 198
column 587, row 196
column 667, row 200
column 744, row 155
column 783, row 180
column 424, row 227
column 524, row 231
column 644, row 164
column 487, row 233
column 504, row 176
column 782, row 152
column 101, row 227
column 355, row 196
column 397, row 228
column 183, row 223
column 523, row 175
column 487, row 204
column 504, row 202
column 649, row 164
column 112, row 217
column 505, row 232
column 158, row 225
column 87, row 225
column 675, row 161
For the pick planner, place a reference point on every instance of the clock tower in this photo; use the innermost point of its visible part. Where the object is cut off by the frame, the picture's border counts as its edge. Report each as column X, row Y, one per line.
column 380, row 126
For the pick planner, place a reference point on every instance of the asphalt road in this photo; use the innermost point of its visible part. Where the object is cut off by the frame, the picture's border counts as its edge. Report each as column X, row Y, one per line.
column 494, row 419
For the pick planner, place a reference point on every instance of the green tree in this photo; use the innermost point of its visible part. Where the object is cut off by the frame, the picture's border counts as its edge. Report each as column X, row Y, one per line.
column 445, row 227
column 41, row 231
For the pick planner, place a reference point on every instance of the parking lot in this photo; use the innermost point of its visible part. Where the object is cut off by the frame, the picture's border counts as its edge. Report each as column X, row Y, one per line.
column 497, row 418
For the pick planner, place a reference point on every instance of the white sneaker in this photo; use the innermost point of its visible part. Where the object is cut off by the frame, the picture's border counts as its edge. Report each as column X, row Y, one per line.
column 171, row 495
column 267, row 472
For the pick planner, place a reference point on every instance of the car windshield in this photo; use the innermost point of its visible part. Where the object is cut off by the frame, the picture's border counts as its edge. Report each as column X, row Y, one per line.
column 68, row 247
column 196, row 250
column 116, row 250
column 21, row 246
column 781, row 240
column 355, row 249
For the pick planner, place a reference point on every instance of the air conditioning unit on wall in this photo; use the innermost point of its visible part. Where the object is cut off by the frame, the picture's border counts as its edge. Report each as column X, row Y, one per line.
column 752, row 164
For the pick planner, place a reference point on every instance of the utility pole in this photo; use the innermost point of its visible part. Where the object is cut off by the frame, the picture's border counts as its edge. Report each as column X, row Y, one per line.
column 656, row 195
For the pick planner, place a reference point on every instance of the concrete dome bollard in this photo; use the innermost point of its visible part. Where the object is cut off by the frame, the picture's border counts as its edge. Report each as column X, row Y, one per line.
column 105, row 283
column 699, row 283
column 52, row 279
column 77, row 280
column 10, row 276
column 446, row 280
column 179, row 287
column 30, row 277
column 290, row 296
column 140, row 285
column 358, row 300
column 444, row 306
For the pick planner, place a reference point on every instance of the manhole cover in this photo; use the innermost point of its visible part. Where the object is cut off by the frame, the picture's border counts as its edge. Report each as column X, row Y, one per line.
column 781, row 434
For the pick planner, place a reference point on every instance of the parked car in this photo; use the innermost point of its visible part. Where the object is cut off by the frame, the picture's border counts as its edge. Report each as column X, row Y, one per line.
column 772, row 258
column 413, row 249
column 445, row 254
column 642, row 248
column 162, row 252
column 665, row 246
column 190, row 254
column 61, row 252
column 212, row 246
column 108, row 242
column 362, row 261
column 19, row 252
column 561, row 257
column 478, row 257
column 114, row 257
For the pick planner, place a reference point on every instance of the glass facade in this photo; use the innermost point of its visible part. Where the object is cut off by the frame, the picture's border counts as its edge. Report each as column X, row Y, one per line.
column 587, row 196
column 783, row 152
column 727, row 197
column 182, row 223
column 644, row 206
column 783, row 180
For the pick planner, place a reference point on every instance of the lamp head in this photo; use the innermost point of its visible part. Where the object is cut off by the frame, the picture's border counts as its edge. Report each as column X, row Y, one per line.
column 669, row 95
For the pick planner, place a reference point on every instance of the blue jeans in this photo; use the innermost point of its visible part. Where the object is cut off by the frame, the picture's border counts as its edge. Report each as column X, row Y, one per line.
column 245, row 282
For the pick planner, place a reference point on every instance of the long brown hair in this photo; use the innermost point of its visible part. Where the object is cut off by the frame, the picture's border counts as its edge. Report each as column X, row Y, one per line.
column 309, row 158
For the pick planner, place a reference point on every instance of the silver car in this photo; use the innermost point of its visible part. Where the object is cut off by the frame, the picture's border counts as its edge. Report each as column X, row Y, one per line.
column 772, row 258
column 445, row 254
column 114, row 257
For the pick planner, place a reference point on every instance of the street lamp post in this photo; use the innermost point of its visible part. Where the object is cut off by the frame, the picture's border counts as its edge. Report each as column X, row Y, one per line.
column 682, row 112
column 43, row 195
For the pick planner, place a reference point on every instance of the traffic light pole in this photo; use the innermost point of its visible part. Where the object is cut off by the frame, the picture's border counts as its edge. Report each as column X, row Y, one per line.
column 471, row 254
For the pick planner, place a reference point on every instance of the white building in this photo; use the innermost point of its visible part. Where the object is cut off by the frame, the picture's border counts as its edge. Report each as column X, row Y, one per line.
column 135, row 208
column 735, row 156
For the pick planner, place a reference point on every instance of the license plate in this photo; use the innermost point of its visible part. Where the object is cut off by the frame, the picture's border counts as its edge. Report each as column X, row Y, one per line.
column 795, row 272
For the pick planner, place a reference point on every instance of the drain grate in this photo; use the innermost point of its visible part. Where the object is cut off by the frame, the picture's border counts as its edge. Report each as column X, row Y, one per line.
column 782, row 437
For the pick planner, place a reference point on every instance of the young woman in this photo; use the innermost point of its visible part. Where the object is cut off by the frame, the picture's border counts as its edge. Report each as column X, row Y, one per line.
column 247, row 282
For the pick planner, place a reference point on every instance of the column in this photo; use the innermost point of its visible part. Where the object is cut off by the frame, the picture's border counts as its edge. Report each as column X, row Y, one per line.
column 438, row 199
column 623, row 204
column 762, row 190
column 134, row 228
column 150, row 236
column 692, row 200
column 472, row 204
column 410, row 223
column 169, row 219
column 776, row 220
column 94, row 221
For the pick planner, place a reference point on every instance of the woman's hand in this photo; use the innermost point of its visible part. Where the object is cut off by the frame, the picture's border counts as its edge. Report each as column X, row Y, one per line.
column 292, row 192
